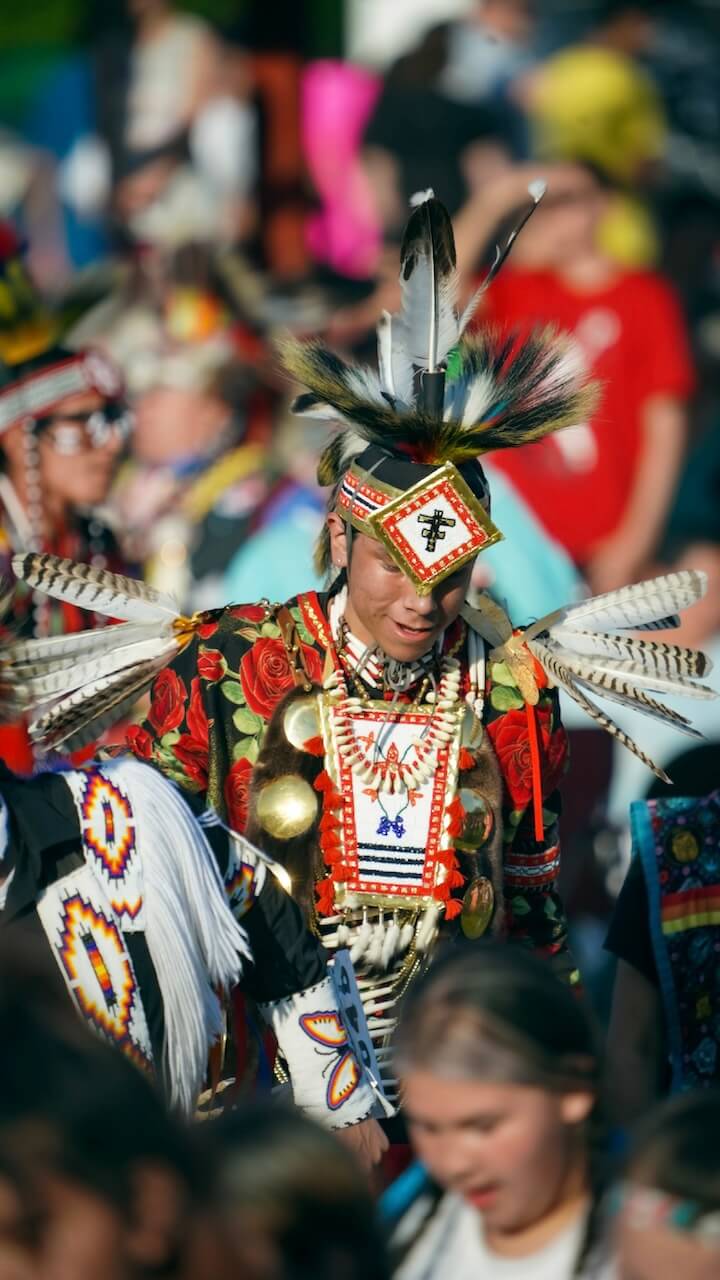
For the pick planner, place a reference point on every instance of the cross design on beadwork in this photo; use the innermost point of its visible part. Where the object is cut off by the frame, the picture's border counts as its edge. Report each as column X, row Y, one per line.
column 436, row 524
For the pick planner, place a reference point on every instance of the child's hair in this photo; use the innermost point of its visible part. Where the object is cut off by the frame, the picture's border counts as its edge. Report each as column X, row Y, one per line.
column 675, row 1150
column 491, row 1012
column 293, row 1184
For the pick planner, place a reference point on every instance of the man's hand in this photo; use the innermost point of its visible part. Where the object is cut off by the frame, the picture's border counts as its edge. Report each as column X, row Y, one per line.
column 366, row 1140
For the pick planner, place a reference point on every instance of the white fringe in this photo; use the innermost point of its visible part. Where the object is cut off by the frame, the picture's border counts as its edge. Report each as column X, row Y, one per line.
column 194, row 941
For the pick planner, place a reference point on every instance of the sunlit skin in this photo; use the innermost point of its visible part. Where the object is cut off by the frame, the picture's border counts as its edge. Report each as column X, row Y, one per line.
column 657, row 1253
column 514, row 1152
column 383, row 608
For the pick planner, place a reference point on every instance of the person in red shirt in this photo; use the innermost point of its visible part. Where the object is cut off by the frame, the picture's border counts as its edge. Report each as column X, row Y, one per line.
column 603, row 488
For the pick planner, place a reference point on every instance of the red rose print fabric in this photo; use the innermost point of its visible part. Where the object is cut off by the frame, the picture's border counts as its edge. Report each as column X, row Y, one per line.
column 509, row 735
column 266, row 677
column 167, row 708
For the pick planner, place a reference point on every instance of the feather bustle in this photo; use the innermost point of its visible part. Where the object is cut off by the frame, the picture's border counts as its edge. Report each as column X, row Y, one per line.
column 83, row 715
column 37, row 688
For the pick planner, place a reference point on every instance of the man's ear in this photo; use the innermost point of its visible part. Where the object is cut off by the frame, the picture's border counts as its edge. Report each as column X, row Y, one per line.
column 157, row 1216
column 338, row 540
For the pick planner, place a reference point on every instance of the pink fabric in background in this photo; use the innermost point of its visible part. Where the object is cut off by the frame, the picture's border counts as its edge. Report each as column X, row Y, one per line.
column 336, row 101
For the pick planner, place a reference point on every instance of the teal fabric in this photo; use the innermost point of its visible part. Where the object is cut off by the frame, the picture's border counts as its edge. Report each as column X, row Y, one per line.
column 277, row 561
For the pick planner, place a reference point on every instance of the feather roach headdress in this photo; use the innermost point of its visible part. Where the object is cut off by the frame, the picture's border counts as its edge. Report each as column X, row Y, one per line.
column 404, row 463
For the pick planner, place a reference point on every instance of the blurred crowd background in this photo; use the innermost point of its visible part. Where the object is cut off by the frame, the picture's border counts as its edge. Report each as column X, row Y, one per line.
column 182, row 183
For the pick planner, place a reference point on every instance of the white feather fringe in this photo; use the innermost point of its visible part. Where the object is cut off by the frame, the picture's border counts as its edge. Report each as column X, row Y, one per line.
column 194, row 941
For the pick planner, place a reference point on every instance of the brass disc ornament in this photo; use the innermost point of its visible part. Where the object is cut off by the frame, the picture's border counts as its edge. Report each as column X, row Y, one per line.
column 301, row 722
column 287, row 807
column 479, row 820
column 477, row 907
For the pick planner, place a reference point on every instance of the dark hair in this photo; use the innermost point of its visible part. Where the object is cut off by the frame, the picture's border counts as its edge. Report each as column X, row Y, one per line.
column 493, row 1012
column 675, row 1149
column 281, row 1176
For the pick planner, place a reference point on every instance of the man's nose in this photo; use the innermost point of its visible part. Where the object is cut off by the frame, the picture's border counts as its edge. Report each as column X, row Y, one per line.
column 423, row 605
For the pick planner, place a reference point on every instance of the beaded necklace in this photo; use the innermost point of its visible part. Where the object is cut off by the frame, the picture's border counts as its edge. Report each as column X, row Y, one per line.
column 388, row 771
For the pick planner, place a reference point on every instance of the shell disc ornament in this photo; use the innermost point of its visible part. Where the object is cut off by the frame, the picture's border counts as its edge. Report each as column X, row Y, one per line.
column 301, row 722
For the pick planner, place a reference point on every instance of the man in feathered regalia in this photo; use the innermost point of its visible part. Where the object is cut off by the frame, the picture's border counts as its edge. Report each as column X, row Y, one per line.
column 394, row 750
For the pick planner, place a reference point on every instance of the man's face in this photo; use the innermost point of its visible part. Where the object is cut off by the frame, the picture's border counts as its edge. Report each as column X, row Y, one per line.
column 383, row 607
column 72, row 468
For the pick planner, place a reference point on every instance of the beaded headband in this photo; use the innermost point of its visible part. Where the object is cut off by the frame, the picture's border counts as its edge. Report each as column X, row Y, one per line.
column 36, row 393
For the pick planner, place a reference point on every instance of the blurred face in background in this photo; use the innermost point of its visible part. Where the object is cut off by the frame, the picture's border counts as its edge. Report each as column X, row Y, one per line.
column 511, row 19
column 174, row 423
column 564, row 224
column 654, row 1252
column 71, row 1232
column 79, row 451
column 512, row 1151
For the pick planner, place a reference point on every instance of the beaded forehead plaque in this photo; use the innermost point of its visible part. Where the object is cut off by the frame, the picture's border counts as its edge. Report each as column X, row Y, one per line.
column 434, row 528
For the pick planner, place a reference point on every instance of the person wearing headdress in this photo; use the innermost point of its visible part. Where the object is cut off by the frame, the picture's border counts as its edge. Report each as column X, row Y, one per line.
column 63, row 424
column 397, row 752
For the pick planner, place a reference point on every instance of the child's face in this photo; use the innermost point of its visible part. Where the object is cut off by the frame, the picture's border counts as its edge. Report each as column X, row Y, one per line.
column 660, row 1253
column 510, row 1150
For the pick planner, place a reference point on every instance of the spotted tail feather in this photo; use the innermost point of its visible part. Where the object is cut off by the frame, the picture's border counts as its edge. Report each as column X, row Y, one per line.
column 35, row 689
column 632, row 607
column 651, row 656
column 615, row 687
column 560, row 676
column 83, row 716
column 95, row 589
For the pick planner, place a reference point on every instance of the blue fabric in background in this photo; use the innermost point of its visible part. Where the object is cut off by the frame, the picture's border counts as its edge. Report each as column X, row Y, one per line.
column 64, row 111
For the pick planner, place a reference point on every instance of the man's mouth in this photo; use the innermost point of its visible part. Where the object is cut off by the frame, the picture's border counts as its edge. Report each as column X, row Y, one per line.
column 415, row 632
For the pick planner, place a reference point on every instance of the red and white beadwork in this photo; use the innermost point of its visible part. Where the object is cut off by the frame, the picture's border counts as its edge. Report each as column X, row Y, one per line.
column 395, row 772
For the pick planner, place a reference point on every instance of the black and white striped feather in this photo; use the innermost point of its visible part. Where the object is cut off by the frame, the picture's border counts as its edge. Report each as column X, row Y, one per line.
column 95, row 589
column 78, row 685
column 608, row 663
column 82, row 716
column 563, row 678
